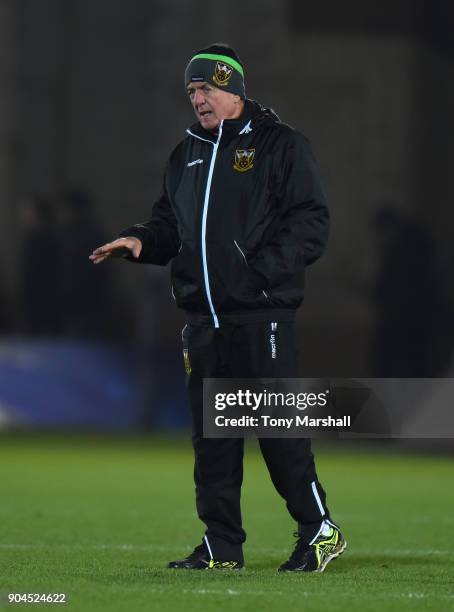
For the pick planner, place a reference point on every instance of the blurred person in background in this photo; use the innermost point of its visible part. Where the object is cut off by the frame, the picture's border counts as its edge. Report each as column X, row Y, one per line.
column 241, row 214
column 5, row 307
column 85, row 291
column 155, row 346
column 40, row 267
column 409, row 296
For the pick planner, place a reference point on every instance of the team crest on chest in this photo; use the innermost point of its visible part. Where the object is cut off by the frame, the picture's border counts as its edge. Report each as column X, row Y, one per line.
column 222, row 74
column 243, row 159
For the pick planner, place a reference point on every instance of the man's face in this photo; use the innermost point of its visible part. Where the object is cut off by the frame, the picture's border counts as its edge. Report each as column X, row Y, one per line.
column 212, row 105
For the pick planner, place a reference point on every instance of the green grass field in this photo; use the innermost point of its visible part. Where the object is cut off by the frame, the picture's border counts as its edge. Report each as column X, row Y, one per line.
column 98, row 519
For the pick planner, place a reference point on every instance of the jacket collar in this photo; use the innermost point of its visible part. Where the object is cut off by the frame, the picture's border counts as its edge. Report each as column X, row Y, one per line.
column 253, row 116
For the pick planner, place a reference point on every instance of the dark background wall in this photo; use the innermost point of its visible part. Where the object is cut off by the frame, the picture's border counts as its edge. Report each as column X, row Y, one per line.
column 91, row 94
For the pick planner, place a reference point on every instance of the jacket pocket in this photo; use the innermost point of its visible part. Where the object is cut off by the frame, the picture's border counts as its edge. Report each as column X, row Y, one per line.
column 186, row 278
column 249, row 273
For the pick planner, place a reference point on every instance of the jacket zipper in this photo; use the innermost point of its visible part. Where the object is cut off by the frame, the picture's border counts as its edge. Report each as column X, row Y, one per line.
column 204, row 220
column 244, row 257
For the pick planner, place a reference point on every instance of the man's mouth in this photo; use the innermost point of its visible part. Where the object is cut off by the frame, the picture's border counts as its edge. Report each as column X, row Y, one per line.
column 205, row 114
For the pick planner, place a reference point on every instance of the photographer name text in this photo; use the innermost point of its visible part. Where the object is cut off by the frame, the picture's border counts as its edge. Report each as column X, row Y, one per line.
column 282, row 423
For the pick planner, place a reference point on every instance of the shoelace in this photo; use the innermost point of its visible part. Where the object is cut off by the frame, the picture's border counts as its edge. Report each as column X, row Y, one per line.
column 196, row 552
column 301, row 547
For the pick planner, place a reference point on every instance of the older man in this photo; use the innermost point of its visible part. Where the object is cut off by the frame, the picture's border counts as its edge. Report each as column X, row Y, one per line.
column 242, row 212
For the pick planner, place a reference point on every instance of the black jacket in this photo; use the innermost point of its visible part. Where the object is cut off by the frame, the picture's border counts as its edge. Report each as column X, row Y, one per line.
column 240, row 216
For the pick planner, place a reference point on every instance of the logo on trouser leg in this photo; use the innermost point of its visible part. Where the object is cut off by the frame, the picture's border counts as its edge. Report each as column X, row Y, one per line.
column 273, row 346
column 187, row 363
column 273, row 342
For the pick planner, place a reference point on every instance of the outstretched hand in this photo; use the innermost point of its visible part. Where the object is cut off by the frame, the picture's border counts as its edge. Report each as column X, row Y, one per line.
column 122, row 247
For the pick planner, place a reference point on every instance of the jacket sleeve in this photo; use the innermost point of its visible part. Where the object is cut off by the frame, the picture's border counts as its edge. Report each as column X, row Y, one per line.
column 159, row 236
column 300, row 233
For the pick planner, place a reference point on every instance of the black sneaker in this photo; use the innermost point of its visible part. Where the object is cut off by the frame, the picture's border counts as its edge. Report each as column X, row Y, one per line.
column 200, row 558
column 315, row 556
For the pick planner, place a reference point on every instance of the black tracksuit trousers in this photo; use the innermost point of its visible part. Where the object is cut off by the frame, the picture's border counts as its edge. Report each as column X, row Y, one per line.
column 245, row 351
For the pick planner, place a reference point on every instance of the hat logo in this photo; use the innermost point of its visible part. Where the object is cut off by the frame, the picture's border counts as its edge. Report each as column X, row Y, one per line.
column 244, row 159
column 222, row 74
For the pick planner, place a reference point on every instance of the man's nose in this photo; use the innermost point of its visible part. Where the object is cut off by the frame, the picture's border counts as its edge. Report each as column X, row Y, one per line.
column 199, row 98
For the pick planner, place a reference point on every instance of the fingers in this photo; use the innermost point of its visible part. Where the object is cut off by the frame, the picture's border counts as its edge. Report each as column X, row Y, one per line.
column 106, row 250
column 118, row 248
column 97, row 259
column 100, row 254
column 109, row 247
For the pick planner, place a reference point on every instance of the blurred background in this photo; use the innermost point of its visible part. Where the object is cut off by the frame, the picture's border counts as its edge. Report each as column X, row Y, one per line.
column 91, row 104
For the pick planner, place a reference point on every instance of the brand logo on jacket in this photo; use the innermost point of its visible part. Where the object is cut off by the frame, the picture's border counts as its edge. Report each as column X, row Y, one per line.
column 247, row 128
column 243, row 159
column 222, row 74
